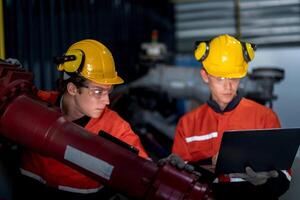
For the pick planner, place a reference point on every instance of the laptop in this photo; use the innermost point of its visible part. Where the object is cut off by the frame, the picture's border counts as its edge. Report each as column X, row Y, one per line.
column 262, row 150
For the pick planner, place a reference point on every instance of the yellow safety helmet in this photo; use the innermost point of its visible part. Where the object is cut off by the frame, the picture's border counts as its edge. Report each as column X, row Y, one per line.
column 225, row 56
column 92, row 60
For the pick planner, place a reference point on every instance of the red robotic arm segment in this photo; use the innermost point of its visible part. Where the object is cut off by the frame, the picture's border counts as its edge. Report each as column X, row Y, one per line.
column 40, row 127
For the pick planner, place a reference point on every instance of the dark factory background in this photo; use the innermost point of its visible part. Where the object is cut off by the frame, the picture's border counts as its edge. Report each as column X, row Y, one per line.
column 36, row 31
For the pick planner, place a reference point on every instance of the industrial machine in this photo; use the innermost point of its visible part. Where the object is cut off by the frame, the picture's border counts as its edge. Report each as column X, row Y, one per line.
column 23, row 121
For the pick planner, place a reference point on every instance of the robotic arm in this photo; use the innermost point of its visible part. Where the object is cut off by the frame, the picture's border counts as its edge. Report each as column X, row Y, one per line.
column 22, row 120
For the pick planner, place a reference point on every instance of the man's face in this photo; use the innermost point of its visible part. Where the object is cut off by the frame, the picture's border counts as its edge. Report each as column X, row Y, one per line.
column 223, row 90
column 92, row 98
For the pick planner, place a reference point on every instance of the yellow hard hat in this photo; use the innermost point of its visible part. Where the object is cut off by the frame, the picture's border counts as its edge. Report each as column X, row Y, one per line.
column 225, row 56
column 92, row 60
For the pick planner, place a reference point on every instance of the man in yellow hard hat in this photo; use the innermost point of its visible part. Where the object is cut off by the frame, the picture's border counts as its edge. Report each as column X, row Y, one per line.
column 83, row 97
column 199, row 132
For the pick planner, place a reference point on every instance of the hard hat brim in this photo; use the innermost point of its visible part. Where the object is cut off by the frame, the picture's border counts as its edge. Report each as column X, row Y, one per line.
column 114, row 81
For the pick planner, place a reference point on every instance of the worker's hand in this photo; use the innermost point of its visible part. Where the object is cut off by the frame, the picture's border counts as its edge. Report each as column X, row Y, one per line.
column 177, row 162
column 256, row 178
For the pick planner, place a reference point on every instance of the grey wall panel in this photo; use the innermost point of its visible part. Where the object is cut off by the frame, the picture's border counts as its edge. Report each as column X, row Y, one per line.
column 267, row 23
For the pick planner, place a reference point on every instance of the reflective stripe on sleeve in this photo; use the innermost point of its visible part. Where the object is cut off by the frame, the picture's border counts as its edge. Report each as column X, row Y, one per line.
column 32, row 175
column 79, row 190
column 230, row 180
column 202, row 137
column 287, row 174
column 60, row 187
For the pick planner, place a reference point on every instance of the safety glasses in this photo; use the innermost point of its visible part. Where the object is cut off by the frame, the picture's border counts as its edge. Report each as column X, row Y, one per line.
column 97, row 92
column 221, row 80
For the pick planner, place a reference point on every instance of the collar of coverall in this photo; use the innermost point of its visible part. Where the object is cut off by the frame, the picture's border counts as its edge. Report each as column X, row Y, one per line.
column 83, row 121
column 215, row 106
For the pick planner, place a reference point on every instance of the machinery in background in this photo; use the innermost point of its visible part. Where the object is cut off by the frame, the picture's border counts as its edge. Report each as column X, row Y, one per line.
column 95, row 156
column 259, row 85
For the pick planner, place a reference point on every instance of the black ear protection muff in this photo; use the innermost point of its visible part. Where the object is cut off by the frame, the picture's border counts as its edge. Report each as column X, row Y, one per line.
column 71, row 62
column 248, row 50
column 202, row 50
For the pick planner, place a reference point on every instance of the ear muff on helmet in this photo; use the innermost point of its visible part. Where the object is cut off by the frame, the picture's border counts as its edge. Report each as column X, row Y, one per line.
column 248, row 51
column 71, row 62
column 201, row 50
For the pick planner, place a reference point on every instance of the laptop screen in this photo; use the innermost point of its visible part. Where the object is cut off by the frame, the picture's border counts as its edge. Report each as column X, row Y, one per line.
column 262, row 150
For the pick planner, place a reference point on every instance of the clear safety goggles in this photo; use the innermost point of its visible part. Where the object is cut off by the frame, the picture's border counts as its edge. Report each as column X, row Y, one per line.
column 97, row 92
column 223, row 79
